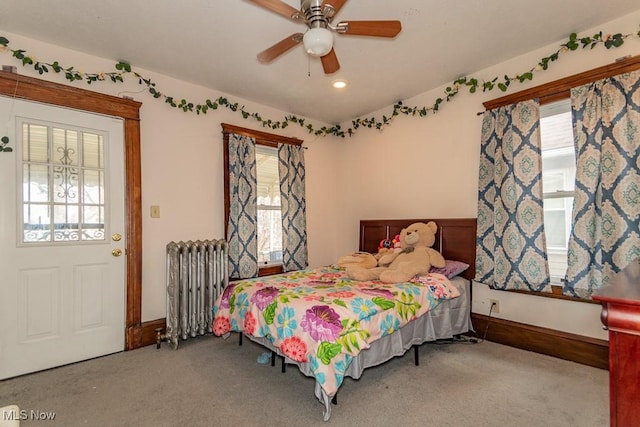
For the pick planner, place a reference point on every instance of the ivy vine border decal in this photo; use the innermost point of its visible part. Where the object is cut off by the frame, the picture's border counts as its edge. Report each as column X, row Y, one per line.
column 573, row 43
column 4, row 141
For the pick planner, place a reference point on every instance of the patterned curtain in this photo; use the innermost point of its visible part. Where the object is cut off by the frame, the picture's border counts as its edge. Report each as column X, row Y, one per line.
column 606, row 210
column 511, row 246
column 243, row 210
column 292, row 199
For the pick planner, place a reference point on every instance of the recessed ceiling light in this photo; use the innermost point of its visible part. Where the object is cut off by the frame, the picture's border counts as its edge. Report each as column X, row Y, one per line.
column 340, row 84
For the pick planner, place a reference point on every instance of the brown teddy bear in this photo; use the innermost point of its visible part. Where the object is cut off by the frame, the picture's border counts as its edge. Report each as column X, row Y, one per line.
column 415, row 257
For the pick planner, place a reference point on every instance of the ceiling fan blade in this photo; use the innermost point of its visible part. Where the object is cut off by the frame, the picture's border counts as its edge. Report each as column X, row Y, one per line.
column 369, row 28
column 336, row 5
column 279, row 7
column 330, row 62
column 279, row 48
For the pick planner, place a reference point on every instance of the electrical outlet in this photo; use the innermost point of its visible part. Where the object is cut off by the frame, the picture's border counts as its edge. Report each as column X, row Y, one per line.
column 495, row 304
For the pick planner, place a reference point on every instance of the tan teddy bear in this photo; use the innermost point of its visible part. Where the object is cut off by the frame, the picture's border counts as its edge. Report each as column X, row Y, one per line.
column 416, row 257
column 385, row 248
column 358, row 259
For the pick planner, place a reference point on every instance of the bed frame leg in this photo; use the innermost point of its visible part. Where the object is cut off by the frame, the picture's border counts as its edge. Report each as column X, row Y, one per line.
column 334, row 399
column 240, row 339
column 284, row 366
column 416, row 355
column 273, row 358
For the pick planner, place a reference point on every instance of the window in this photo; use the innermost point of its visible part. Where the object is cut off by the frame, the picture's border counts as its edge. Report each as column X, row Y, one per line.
column 557, row 154
column 273, row 256
column 269, row 210
column 63, row 191
column 558, row 179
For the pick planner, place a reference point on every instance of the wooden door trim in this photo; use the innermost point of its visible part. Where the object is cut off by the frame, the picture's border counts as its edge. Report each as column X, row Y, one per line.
column 14, row 85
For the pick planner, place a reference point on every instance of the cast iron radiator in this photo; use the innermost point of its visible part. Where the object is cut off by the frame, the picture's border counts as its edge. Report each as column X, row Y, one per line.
column 197, row 272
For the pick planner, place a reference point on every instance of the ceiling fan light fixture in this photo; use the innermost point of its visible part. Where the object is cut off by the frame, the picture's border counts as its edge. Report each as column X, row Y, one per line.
column 318, row 41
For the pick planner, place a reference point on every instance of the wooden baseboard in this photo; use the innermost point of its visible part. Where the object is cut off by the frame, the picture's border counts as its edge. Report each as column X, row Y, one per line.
column 148, row 335
column 576, row 348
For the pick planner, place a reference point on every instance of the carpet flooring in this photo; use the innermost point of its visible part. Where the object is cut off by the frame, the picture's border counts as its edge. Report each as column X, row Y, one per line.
column 211, row 381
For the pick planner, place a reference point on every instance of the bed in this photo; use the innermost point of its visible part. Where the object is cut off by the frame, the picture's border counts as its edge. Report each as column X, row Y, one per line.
column 331, row 327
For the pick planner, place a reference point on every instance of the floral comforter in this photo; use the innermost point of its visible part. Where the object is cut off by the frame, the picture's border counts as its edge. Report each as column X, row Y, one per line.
column 321, row 317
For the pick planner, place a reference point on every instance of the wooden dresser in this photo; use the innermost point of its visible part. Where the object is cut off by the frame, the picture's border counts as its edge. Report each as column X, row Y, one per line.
column 620, row 300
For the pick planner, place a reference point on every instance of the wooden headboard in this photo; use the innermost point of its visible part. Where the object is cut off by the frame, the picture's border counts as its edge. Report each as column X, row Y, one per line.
column 455, row 238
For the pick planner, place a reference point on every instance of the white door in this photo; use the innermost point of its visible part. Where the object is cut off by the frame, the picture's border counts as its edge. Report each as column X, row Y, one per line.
column 62, row 279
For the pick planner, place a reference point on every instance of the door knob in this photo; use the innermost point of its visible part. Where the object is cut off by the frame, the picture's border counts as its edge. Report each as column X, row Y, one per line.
column 116, row 252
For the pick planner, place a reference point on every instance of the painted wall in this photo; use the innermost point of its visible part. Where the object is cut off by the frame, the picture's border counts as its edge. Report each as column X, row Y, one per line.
column 416, row 167
column 428, row 168
column 182, row 160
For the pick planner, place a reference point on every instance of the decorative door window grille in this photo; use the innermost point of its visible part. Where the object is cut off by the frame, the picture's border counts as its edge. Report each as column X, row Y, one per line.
column 63, row 184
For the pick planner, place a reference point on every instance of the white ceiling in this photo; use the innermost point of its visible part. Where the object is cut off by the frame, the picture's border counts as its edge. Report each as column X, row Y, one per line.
column 214, row 43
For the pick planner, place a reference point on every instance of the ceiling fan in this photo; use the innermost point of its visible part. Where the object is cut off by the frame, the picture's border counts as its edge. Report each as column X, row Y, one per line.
column 317, row 15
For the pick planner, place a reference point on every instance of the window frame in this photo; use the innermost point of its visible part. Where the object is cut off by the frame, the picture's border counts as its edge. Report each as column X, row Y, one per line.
column 556, row 91
column 261, row 138
column 50, row 203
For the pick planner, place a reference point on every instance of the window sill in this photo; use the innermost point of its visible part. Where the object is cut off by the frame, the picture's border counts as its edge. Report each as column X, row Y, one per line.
column 556, row 292
column 270, row 270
